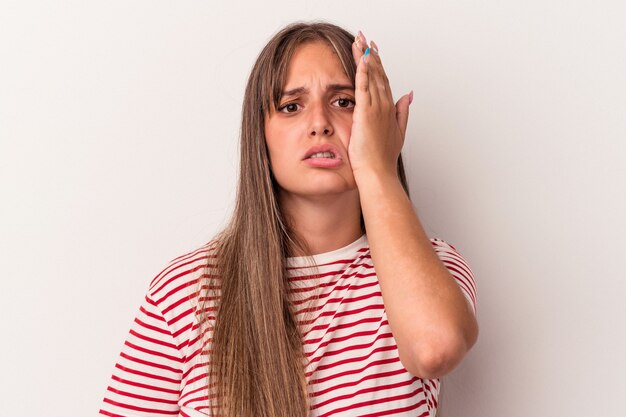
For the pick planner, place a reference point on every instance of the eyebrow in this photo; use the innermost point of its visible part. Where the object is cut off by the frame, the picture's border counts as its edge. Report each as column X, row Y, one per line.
column 330, row 87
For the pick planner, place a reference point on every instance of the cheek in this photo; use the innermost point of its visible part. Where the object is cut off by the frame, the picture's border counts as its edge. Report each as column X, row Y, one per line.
column 281, row 145
column 346, row 130
column 275, row 159
column 280, row 157
column 272, row 144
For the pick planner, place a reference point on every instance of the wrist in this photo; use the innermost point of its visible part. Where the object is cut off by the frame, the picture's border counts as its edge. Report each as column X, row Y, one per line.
column 372, row 181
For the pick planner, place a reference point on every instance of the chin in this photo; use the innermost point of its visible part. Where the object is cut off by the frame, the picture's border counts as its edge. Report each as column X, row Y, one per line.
column 320, row 192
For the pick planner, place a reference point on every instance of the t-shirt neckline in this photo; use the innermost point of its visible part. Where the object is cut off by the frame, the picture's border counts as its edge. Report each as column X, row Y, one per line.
column 322, row 258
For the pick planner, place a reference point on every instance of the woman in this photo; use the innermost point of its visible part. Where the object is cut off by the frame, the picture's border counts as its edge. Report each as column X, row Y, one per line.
column 283, row 314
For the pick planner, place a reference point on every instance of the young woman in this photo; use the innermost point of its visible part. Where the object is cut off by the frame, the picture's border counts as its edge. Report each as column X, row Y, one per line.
column 293, row 310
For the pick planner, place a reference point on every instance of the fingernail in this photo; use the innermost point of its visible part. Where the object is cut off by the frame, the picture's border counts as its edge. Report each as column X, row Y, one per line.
column 367, row 52
column 411, row 97
column 374, row 46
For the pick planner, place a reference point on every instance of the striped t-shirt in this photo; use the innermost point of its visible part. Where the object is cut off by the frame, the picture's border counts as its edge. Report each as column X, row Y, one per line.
column 353, row 364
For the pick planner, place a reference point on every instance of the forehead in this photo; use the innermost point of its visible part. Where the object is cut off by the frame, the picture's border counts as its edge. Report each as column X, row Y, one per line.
column 314, row 59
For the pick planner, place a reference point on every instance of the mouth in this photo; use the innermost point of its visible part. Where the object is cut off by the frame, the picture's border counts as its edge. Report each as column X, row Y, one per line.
column 325, row 151
column 328, row 155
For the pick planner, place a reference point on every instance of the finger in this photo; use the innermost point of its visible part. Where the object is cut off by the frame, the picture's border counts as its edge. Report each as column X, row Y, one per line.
column 376, row 83
column 362, row 41
column 375, row 47
column 376, row 86
column 358, row 46
column 383, row 80
column 356, row 52
column 362, row 84
column 402, row 112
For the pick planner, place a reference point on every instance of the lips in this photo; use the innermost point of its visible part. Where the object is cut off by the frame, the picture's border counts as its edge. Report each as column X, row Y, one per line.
column 321, row 149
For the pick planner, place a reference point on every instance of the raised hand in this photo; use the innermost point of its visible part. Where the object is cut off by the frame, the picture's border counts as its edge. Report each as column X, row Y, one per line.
column 379, row 125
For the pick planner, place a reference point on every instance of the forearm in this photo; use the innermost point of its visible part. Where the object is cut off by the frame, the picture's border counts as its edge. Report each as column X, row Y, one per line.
column 431, row 320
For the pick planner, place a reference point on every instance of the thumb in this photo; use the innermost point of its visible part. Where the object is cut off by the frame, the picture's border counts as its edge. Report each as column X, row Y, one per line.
column 402, row 112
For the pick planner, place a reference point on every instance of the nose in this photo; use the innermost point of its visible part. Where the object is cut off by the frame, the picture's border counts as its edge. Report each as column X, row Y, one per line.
column 320, row 123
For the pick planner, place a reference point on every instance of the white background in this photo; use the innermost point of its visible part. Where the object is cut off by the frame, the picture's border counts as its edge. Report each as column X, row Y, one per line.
column 119, row 123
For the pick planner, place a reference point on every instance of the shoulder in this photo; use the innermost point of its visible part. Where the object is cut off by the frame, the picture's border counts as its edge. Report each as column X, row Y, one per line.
column 458, row 267
column 180, row 279
column 440, row 244
column 446, row 251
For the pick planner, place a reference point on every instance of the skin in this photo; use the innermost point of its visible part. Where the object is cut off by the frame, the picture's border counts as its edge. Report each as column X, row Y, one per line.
column 432, row 322
column 323, row 203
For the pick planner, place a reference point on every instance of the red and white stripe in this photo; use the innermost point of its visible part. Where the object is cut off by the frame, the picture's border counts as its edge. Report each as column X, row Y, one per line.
column 353, row 366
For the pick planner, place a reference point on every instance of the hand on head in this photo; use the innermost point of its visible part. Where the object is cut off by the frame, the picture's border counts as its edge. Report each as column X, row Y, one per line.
column 379, row 125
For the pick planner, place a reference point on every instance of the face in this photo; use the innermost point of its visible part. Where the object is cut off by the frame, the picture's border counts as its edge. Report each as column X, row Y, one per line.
column 308, row 134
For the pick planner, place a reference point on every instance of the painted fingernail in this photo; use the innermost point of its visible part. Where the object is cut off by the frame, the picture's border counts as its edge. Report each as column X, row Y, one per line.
column 367, row 52
column 411, row 97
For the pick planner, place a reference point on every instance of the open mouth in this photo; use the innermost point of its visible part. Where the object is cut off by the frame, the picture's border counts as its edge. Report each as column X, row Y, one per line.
column 329, row 155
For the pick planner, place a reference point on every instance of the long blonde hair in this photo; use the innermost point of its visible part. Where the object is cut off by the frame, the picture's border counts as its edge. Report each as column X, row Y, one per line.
column 257, row 365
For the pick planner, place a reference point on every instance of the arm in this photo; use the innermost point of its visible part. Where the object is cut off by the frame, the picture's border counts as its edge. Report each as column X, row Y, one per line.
column 146, row 380
column 432, row 322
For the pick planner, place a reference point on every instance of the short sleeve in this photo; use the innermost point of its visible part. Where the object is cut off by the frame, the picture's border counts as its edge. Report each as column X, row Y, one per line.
column 458, row 268
column 147, row 378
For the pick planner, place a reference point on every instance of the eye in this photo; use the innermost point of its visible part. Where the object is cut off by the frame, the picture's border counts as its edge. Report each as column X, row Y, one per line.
column 345, row 102
column 290, row 107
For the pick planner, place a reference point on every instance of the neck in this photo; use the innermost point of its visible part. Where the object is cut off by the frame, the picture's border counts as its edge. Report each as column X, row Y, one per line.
column 324, row 223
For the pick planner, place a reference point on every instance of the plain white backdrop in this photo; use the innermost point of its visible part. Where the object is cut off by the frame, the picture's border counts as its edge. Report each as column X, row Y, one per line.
column 119, row 123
